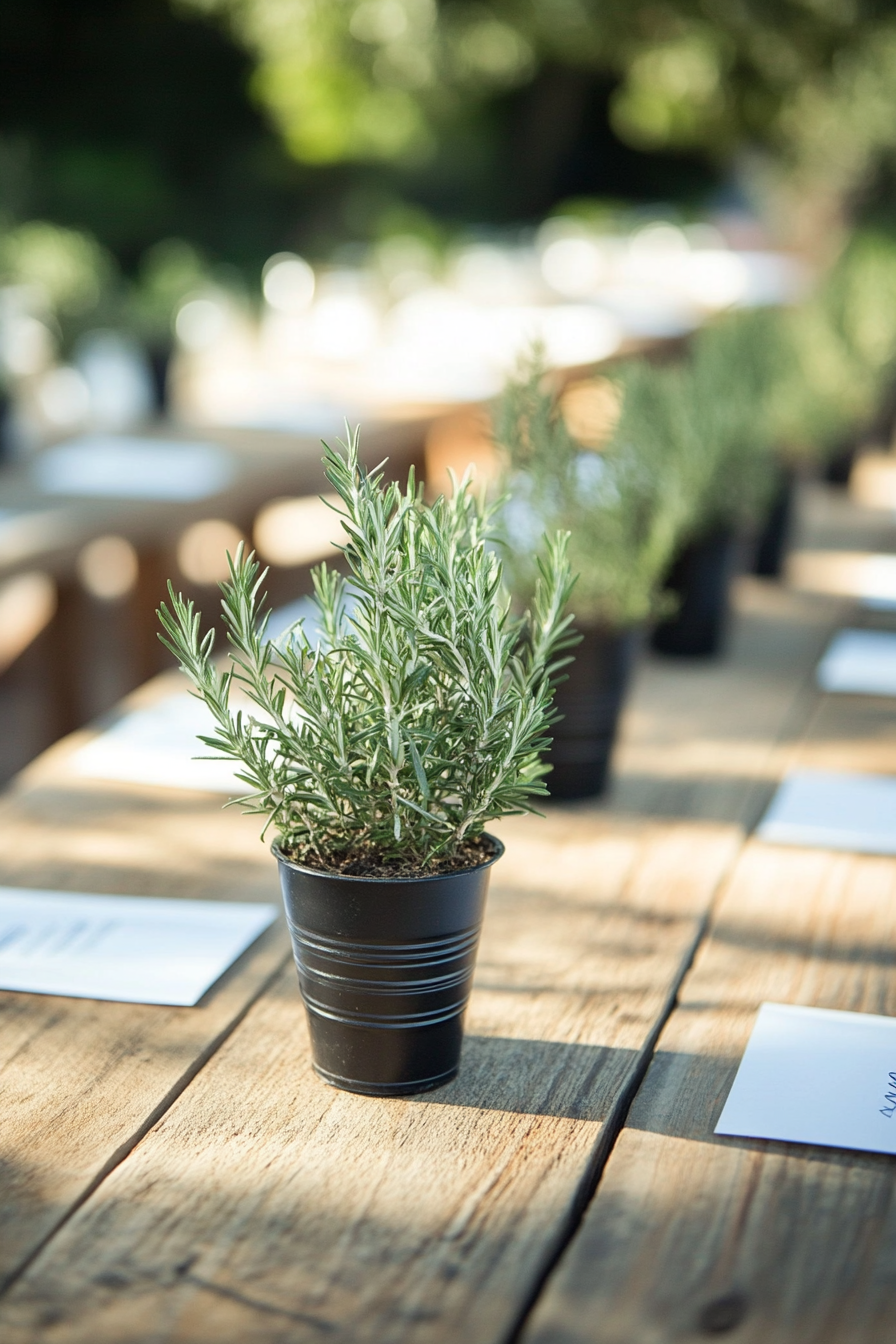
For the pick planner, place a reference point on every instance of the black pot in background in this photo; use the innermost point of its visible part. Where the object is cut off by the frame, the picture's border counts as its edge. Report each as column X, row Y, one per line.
column 159, row 354
column 839, row 465
column 385, row 967
column 773, row 540
column 701, row 580
column 590, row 700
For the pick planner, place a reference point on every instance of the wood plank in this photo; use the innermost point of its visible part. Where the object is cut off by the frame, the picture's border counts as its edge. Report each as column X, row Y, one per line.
column 706, row 738
column 266, row 1206
column 82, row 1080
column 692, row 1235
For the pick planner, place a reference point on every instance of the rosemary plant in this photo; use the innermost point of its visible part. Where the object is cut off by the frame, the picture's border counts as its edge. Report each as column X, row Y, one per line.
column 419, row 714
column 624, row 507
column 724, row 431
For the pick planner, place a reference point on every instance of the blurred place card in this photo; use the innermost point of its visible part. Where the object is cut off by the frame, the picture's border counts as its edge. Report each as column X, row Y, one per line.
column 830, row 810
column 156, row 746
column 130, row 949
column 125, row 468
column 815, row 1075
column 861, row 662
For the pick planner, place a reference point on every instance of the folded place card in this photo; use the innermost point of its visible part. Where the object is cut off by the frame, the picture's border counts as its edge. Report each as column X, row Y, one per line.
column 131, row 949
column 815, row 1075
column 861, row 662
column 830, row 810
column 157, row 745
column 125, row 468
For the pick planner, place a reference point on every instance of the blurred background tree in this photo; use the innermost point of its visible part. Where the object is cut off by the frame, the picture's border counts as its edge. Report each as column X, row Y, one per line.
column 245, row 126
column 798, row 95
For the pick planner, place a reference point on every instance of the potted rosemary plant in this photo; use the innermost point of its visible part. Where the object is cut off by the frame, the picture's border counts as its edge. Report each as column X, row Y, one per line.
column 624, row 509
column 715, row 420
column 841, row 391
column 379, row 754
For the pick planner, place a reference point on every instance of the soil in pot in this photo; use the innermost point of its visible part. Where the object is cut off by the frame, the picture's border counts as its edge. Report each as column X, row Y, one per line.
column 385, row 967
column 773, row 540
column 590, row 701
column 700, row 578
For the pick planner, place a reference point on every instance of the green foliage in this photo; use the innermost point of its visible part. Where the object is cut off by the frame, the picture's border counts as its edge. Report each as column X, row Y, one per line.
column 356, row 79
column 169, row 273
column 842, row 349
column 727, row 432
column 693, row 450
column 624, row 508
column 68, row 270
column 420, row 714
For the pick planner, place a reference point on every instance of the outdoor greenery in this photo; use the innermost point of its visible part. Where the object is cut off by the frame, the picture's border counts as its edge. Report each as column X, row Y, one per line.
column 624, row 507
column 420, row 714
column 806, row 90
column 840, row 350
column 693, row 451
column 721, row 422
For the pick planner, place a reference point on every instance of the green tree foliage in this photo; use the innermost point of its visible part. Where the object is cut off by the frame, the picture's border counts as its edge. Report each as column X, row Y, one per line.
column 416, row 718
column 376, row 78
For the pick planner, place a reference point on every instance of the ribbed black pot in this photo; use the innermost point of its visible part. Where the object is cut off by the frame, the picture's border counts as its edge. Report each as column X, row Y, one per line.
column 700, row 578
column 385, row 967
column 590, row 700
column 772, row 542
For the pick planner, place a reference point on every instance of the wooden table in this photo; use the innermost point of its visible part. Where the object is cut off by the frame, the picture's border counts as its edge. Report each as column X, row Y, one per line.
column 93, row 652
column 181, row 1175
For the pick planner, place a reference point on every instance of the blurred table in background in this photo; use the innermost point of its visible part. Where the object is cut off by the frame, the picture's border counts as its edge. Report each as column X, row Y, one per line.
column 84, row 562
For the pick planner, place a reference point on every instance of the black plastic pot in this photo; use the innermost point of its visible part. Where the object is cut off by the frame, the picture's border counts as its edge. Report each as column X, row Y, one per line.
column 701, row 580
column 385, row 967
column 772, row 542
column 590, row 700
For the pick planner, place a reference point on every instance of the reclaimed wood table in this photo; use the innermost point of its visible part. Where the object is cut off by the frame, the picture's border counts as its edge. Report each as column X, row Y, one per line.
column 181, row 1175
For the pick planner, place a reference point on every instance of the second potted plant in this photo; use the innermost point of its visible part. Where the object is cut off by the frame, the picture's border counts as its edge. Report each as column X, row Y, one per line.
column 379, row 754
column 624, row 508
column 717, row 424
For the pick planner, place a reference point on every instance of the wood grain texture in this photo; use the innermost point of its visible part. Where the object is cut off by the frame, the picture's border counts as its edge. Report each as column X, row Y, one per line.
column 691, row 1235
column 266, row 1206
column 707, row 738
column 81, row 1080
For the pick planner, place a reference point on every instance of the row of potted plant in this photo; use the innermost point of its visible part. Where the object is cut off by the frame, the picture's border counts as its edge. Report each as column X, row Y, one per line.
column 425, row 707
column 655, row 517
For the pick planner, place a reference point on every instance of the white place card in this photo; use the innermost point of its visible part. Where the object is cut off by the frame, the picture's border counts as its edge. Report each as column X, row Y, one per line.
column 815, row 1075
column 157, row 746
column 860, row 662
column 118, row 467
column 130, row 949
column 830, row 810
